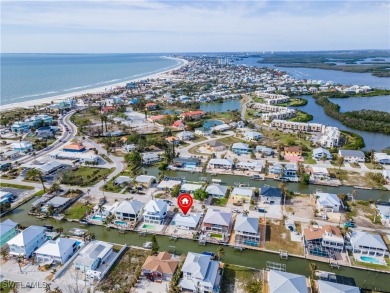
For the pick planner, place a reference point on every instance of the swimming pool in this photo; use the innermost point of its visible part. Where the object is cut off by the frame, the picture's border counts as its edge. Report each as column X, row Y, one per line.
column 370, row 259
column 149, row 226
column 120, row 223
column 97, row 218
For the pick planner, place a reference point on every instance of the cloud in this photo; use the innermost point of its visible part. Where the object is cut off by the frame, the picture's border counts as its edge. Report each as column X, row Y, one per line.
column 174, row 26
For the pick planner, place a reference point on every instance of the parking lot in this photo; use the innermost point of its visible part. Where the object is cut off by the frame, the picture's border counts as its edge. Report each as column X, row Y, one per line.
column 17, row 193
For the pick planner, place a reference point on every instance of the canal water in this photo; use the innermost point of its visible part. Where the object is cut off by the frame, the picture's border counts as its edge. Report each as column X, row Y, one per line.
column 378, row 103
column 225, row 106
column 248, row 258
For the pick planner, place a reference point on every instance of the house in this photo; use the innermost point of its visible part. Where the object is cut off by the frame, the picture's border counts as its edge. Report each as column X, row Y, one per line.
column 173, row 140
column 145, row 180
column 216, row 146
column 271, row 195
column 130, row 210
column 200, row 274
column 319, row 173
column 161, row 266
column 129, row 147
column 8, row 230
column 384, row 212
column 190, row 188
column 352, row 156
column 256, row 165
column 220, row 164
column 217, row 221
column 365, row 243
column 5, row 166
column 22, row 147
column 74, row 147
column 221, row 127
column 20, row 127
column 10, row 155
column 216, row 190
column 252, row 135
column 283, row 282
column 186, row 163
column 150, row 158
column 93, row 255
column 185, row 135
column 156, row 118
column 328, row 202
column 329, row 238
column 49, row 167
column 326, row 287
column 382, row 158
column 168, row 184
column 57, row 251
column 186, row 222
column 122, row 180
column 192, row 115
column 242, row 194
column 290, row 170
column 151, row 106
column 241, row 148
column 155, row 211
column 27, row 241
column 247, row 231
column 45, row 132
column 264, row 150
column 179, row 124
column 204, row 131
column 293, row 151
column 320, row 154
column 276, row 169
column 57, row 202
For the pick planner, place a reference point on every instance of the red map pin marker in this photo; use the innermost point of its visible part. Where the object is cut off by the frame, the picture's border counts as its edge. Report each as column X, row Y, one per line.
column 185, row 202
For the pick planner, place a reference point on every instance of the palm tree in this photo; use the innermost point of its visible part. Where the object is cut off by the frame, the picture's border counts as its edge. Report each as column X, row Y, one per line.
column 245, row 213
column 20, row 260
column 35, row 173
column 4, row 253
column 313, row 268
column 50, row 210
column 220, row 252
column 55, row 188
column 101, row 209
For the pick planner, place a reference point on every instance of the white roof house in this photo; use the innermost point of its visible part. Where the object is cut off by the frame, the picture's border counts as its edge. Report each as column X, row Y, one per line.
column 364, row 241
column 155, row 211
column 122, row 179
column 240, row 192
column 326, row 287
column 27, row 241
column 92, row 255
column 217, row 218
column 328, row 201
column 129, row 207
column 282, row 282
column 59, row 250
column 145, row 179
column 189, row 221
column 217, row 190
column 168, row 184
column 252, row 135
column 190, row 188
column 220, row 164
column 246, row 224
column 200, row 273
column 320, row 153
column 22, row 146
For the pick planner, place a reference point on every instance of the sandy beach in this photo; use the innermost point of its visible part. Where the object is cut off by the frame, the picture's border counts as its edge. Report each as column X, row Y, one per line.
column 97, row 90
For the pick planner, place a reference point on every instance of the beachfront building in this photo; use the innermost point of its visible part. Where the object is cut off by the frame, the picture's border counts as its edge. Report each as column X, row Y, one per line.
column 283, row 282
column 246, row 231
column 130, row 210
column 58, row 251
column 186, row 222
column 321, row 154
column 20, row 127
column 93, row 255
column 27, row 241
column 161, row 266
column 240, row 194
column 8, row 230
column 367, row 244
column 328, row 202
column 224, row 164
column 22, row 146
column 216, row 190
column 240, row 148
column 201, row 274
column 323, row 241
column 352, row 156
column 155, row 211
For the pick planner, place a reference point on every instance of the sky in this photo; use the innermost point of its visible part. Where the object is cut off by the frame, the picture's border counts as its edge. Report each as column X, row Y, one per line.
column 192, row 26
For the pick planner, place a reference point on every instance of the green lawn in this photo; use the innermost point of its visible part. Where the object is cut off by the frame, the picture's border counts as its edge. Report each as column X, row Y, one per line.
column 294, row 102
column 16, row 186
column 77, row 211
column 198, row 138
column 301, row 117
column 85, row 176
column 216, row 235
column 230, row 140
column 7, row 286
column 374, row 166
column 109, row 186
column 39, row 193
column 220, row 201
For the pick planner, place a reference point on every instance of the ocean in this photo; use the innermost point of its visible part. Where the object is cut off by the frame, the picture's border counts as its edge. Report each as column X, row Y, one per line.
column 26, row 77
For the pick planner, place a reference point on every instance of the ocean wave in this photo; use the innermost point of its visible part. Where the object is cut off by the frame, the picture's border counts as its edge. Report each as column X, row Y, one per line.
column 35, row 95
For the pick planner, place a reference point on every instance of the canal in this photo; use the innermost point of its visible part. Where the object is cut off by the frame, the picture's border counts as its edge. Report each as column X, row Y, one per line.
column 248, row 258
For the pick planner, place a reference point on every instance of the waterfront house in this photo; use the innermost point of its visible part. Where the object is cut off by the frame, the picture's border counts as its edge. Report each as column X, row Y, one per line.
column 8, row 230
column 246, row 231
column 215, row 146
column 382, row 158
column 290, row 170
column 58, row 251
column 161, row 266
column 22, row 147
column 93, row 255
column 283, row 282
column 130, row 210
column 216, row 190
column 155, row 211
column 327, row 286
column 220, row 164
column 324, row 240
column 276, row 169
column 186, row 163
column 319, row 173
column 320, row 153
column 190, row 188
column 57, row 202
column 217, row 221
column 74, row 148
column 352, row 156
column 328, row 202
column 252, row 135
column 256, row 165
column 150, row 158
column 365, row 243
column 192, row 115
column 168, row 184
column 145, row 180
column 240, row 194
column 241, row 148
column 186, row 222
column 27, row 241
column 185, row 135
column 271, row 195
column 201, row 274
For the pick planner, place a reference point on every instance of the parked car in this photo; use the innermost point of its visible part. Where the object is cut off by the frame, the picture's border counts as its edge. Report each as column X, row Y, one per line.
column 349, row 225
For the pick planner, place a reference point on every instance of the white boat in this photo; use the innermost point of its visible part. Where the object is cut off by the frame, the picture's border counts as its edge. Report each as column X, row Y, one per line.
column 147, row 245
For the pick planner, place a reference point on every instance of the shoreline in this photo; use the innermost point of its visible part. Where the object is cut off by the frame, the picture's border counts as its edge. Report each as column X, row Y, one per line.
column 97, row 90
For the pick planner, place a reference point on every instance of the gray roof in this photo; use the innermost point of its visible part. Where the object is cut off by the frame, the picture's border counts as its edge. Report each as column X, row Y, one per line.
column 27, row 235
column 242, row 191
column 217, row 217
column 282, row 282
column 6, row 226
column 359, row 238
column 270, row 191
column 325, row 287
column 247, row 224
column 215, row 143
column 240, row 145
column 217, row 189
column 130, row 207
column 352, row 153
column 58, row 201
column 49, row 166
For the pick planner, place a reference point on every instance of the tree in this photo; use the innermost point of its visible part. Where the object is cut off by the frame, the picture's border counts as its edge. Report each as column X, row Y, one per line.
column 155, row 246
column 4, row 253
column 35, row 173
column 200, row 194
column 313, row 268
column 220, row 253
column 55, row 188
column 134, row 159
column 340, row 161
column 175, row 191
column 20, row 260
column 50, row 210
